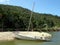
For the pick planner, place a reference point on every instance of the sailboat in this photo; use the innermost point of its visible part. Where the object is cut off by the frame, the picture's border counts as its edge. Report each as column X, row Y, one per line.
column 32, row 35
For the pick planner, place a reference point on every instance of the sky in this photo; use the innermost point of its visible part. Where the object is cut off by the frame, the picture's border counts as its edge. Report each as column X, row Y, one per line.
column 41, row 6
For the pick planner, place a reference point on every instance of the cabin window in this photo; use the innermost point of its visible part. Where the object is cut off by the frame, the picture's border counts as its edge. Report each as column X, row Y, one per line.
column 42, row 34
column 41, row 37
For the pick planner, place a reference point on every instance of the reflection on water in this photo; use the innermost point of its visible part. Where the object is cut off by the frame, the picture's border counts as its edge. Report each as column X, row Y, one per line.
column 26, row 42
column 55, row 41
column 7, row 43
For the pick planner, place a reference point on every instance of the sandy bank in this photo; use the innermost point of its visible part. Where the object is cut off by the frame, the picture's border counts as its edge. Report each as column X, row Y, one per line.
column 6, row 36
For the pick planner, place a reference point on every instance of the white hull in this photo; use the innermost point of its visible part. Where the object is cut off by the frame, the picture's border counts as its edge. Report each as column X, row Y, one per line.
column 33, row 36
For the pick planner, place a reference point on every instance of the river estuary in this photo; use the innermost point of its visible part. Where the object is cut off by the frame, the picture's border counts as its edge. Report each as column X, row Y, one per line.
column 55, row 41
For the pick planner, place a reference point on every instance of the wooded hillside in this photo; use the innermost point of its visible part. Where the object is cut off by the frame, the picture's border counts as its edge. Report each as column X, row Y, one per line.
column 15, row 17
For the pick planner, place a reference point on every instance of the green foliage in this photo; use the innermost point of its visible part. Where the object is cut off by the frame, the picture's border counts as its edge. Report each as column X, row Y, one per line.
column 15, row 17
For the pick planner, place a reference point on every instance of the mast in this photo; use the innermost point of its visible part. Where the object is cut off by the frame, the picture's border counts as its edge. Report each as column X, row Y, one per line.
column 31, row 16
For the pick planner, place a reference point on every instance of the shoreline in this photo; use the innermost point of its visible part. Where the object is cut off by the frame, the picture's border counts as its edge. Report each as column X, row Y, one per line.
column 9, row 35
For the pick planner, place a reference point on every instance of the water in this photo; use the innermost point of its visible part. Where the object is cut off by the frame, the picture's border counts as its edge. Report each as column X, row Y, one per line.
column 55, row 41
